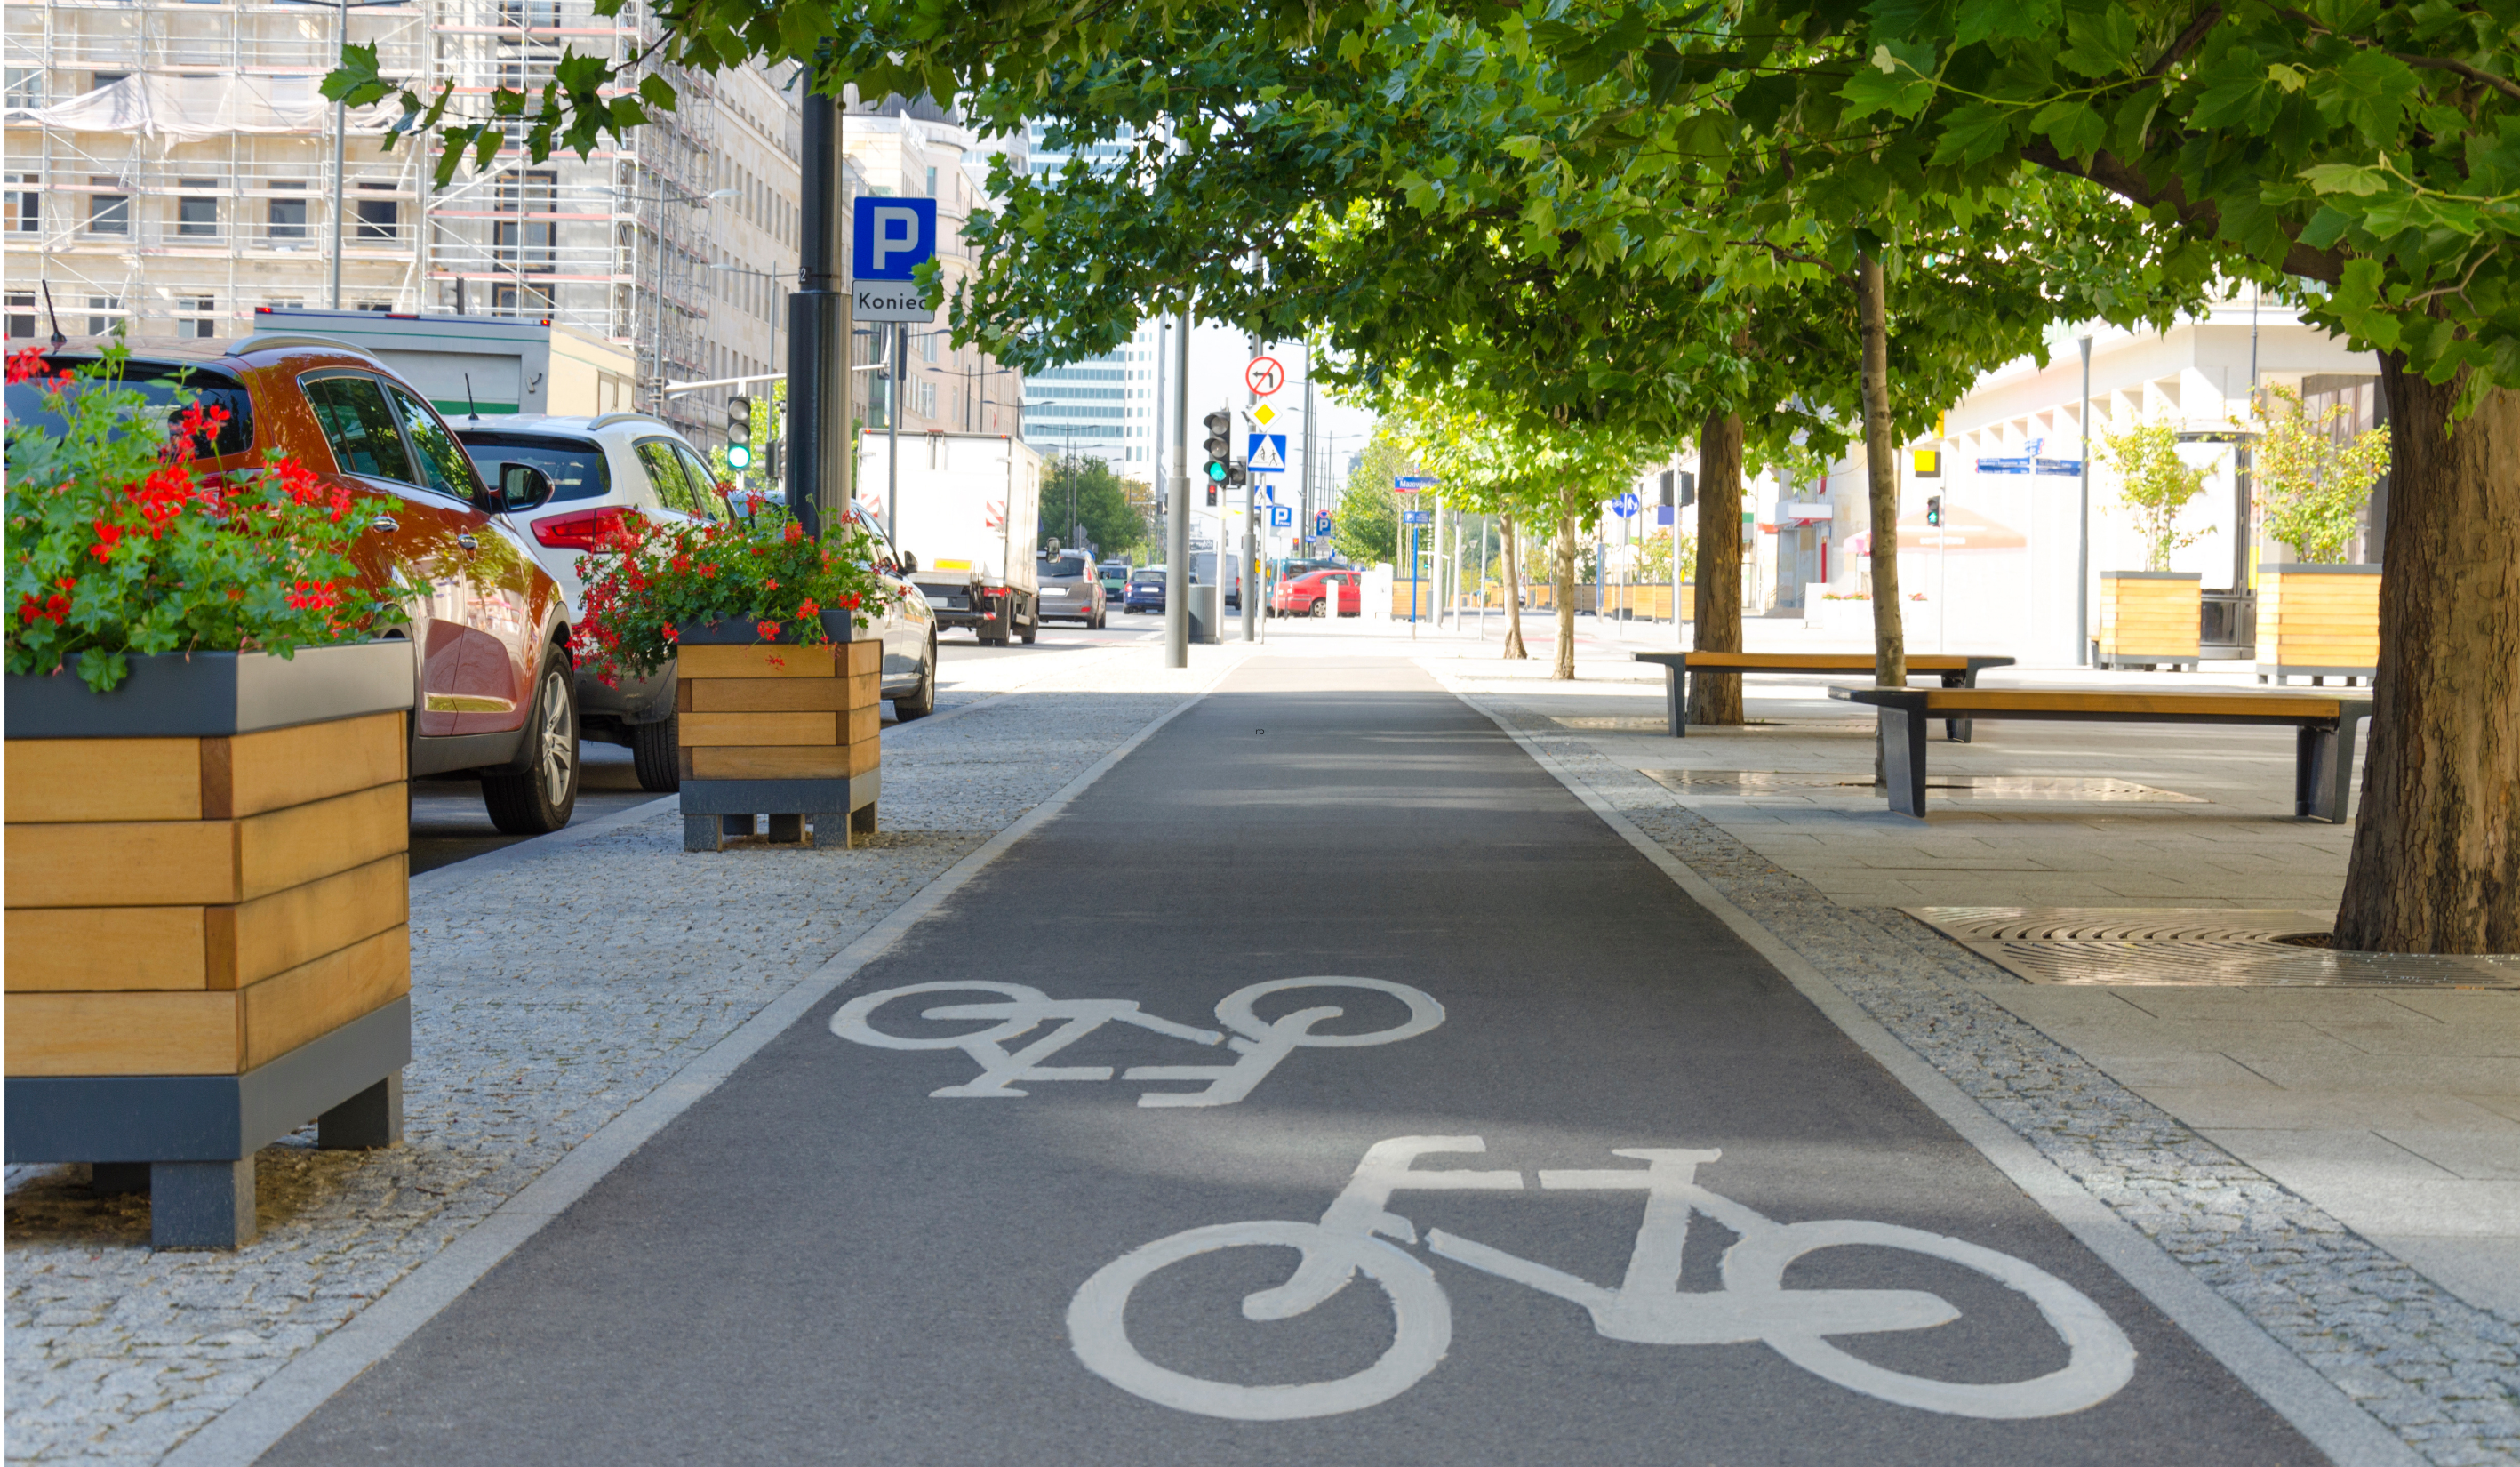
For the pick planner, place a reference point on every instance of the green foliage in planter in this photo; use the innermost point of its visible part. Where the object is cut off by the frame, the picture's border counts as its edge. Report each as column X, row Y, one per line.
column 121, row 543
column 2156, row 483
column 760, row 568
column 2310, row 485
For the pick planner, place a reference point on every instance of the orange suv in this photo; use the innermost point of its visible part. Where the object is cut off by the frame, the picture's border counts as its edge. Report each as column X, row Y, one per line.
column 493, row 688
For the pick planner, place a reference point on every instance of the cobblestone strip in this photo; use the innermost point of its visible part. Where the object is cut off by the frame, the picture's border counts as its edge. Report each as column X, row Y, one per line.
column 2443, row 1375
column 549, row 995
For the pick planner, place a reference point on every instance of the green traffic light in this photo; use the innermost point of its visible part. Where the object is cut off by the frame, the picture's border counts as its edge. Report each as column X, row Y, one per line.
column 1216, row 472
column 739, row 455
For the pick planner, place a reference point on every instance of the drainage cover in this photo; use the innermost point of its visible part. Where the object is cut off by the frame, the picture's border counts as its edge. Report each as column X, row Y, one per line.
column 2022, row 786
column 2201, row 946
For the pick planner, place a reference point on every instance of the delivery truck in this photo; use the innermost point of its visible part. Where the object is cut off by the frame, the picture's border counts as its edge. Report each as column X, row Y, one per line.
column 969, row 517
column 484, row 366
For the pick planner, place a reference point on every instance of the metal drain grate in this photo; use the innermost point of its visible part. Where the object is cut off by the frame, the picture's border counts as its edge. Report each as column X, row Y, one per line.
column 2206, row 947
column 2007, row 787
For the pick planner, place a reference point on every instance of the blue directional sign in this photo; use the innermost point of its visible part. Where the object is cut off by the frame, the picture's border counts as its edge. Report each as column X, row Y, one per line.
column 892, row 237
column 1624, row 506
column 1411, row 482
column 1282, row 517
column 1322, row 522
column 1417, row 517
column 1267, row 453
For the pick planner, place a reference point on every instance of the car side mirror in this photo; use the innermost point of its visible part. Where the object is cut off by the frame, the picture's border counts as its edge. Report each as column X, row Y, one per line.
column 522, row 486
column 909, row 564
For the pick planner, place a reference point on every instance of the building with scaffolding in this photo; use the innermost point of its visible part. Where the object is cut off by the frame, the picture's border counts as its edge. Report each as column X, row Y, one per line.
column 172, row 166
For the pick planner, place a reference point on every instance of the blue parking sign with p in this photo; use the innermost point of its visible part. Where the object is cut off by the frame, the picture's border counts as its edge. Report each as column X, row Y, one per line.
column 891, row 238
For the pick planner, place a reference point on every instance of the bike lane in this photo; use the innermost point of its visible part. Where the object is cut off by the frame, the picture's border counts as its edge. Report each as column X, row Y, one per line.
column 1569, row 1091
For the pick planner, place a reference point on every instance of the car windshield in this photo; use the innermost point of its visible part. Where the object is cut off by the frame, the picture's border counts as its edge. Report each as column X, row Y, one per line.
column 1150, row 578
column 160, row 383
column 576, row 465
column 1061, row 566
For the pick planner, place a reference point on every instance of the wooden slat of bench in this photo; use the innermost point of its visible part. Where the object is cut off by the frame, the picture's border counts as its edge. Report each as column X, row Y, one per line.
column 1816, row 662
column 1993, row 701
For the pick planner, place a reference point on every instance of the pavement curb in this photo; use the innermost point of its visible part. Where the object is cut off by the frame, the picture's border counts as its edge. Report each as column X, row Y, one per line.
column 289, row 1396
column 2350, row 1436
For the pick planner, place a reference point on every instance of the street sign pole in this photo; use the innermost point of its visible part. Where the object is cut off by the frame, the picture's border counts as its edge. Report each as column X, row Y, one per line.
column 818, row 327
column 1177, row 524
column 892, row 429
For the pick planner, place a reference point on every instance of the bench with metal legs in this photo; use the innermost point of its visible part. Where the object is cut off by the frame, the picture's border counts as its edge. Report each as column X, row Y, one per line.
column 2323, row 757
column 1955, row 670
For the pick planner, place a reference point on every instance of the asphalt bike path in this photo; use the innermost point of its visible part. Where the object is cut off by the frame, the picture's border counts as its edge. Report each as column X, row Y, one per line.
column 1326, row 1084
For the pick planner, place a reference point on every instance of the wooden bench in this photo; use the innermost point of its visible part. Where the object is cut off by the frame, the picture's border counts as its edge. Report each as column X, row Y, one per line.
column 1956, row 673
column 2323, row 759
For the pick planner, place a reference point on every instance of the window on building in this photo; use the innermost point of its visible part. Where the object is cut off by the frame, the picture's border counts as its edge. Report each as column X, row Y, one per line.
column 922, row 398
column 107, row 213
column 931, row 183
column 525, row 237
column 380, row 219
column 99, row 321
column 286, row 217
column 98, row 81
column 522, row 300
column 26, row 86
column 373, row 305
column 929, row 345
column 197, row 215
column 22, row 315
column 196, row 316
column 26, row 208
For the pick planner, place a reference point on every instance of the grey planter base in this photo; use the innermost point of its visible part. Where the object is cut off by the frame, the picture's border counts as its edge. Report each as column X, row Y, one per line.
column 717, row 812
column 216, row 695
column 189, row 1140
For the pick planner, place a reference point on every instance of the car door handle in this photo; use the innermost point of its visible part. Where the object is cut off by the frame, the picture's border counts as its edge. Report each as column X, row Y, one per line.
column 385, row 524
column 466, row 541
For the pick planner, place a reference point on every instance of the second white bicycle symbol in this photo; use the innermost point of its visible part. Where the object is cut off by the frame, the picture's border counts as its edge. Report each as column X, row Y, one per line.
column 1260, row 1044
column 1649, row 1306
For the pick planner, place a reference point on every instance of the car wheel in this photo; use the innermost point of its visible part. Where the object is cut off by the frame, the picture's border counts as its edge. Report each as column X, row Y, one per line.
column 1320, row 607
column 922, row 700
column 1031, row 628
column 656, row 751
column 540, row 799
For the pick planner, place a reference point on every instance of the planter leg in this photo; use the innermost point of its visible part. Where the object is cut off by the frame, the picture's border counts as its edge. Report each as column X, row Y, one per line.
column 861, row 819
column 702, row 833
column 201, row 1204
column 786, row 829
column 371, row 1118
column 119, row 1178
column 831, row 828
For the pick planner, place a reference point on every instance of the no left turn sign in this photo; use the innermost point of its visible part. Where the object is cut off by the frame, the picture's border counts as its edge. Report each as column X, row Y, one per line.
column 1264, row 375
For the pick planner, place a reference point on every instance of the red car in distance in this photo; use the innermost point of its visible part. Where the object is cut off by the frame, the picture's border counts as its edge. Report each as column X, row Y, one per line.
column 1309, row 595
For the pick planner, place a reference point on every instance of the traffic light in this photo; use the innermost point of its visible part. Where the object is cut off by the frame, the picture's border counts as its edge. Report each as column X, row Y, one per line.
column 738, row 434
column 1934, row 509
column 1219, row 446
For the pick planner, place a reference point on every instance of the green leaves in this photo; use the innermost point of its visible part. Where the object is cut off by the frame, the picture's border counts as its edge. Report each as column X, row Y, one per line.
column 1897, row 77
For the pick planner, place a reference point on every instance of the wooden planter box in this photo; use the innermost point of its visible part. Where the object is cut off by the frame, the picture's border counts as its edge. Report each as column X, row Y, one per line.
column 2317, row 622
column 779, row 730
column 2149, row 619
column 208, row 909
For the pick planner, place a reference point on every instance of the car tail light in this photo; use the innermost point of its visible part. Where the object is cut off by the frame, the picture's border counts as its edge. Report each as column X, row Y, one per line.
column 586, row 529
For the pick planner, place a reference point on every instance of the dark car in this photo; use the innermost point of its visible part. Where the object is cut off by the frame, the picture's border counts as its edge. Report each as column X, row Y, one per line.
column 1145, row 592
column 494, row 689
column 1070, row 590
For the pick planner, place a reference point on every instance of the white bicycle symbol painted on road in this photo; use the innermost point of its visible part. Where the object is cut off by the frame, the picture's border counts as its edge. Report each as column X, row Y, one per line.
column 1647, row 1307
column 1261, row 1043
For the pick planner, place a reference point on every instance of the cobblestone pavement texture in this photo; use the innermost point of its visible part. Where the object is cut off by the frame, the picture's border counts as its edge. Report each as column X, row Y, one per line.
column 549, row 997
column 2444, row 1375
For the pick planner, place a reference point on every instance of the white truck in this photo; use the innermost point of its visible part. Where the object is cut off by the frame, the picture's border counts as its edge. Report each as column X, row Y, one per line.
column 491, row 365
column 968, row 516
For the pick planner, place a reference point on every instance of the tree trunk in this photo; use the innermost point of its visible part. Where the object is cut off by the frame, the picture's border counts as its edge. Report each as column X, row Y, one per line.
column 1513, row 548
column 2436, row 864
column 1881, row 470
column 1564, row 670
column 1718, row 700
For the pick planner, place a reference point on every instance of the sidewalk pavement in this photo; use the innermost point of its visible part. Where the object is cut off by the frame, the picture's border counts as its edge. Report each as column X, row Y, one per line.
column 555, row 983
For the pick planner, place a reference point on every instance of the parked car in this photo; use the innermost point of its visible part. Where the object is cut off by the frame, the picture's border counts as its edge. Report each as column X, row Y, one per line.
column 908, row 628
column 493, row 687
column 601, row 470
column 1114, row 575
column 1311, row 595
column 1071, row 588
column 1145, row 590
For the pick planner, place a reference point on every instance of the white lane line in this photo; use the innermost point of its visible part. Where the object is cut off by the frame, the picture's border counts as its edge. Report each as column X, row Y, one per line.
column 2349, row 1435
column 271, row 1410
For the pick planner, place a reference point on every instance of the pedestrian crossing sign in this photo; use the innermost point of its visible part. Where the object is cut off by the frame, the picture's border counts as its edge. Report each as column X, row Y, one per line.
column 1267, row 453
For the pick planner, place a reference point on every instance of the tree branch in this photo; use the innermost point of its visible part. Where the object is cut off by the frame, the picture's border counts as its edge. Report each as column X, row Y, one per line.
column 2501, row 84
column 2121, row 179
column 2205, row 20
